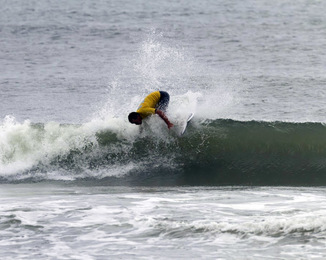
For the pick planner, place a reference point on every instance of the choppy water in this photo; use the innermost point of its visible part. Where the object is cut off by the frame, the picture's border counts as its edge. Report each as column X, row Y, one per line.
column 64, row 222
column 245, row 181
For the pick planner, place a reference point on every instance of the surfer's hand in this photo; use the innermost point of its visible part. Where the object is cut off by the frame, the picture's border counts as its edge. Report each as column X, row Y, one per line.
column 164, row 117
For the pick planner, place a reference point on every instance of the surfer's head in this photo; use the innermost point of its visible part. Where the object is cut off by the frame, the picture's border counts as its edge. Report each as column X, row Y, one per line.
column 135, row 118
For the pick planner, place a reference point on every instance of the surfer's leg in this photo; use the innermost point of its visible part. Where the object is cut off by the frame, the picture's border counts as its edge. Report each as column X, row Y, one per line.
column 164, row 101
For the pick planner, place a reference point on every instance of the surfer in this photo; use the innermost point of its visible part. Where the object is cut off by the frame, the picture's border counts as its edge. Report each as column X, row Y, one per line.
column 155, row 103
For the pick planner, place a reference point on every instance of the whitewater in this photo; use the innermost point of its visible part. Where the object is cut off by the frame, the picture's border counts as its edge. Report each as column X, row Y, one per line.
column 245, row 181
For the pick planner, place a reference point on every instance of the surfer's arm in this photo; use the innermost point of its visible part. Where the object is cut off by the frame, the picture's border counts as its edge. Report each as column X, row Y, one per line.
column 164, row 117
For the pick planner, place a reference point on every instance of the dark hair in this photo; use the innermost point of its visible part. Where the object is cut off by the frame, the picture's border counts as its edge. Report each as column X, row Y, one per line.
column 133, row 116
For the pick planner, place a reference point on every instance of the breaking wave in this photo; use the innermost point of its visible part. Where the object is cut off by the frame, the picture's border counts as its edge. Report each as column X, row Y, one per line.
column 212, row 152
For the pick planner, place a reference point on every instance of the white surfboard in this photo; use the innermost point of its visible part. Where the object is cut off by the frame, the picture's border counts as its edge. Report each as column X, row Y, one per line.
column 184, row 127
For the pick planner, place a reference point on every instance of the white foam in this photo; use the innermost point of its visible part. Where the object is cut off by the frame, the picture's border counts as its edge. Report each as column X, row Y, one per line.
column 23, row 145
column 18, row 145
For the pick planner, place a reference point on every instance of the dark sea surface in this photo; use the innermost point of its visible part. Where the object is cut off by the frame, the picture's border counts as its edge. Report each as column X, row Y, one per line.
column 245, row 181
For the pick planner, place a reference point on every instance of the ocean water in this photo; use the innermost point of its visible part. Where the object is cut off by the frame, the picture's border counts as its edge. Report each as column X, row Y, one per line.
column 246, row 180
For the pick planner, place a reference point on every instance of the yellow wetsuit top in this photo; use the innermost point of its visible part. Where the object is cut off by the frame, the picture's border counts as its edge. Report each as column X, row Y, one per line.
column 148, row 106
